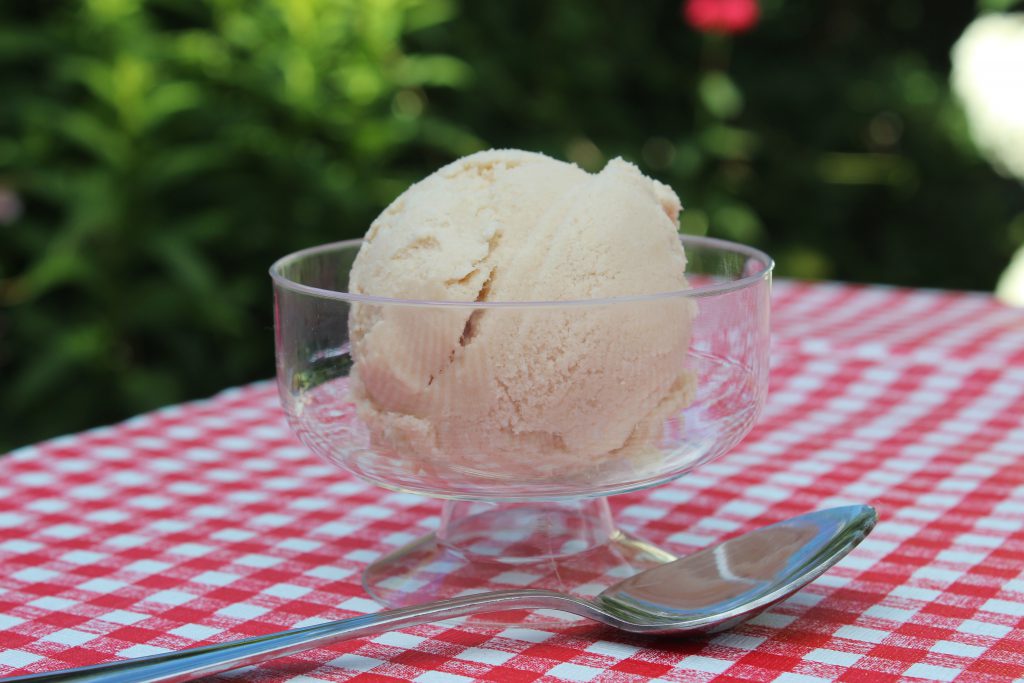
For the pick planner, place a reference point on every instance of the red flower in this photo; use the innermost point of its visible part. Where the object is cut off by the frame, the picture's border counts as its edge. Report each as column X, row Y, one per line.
column 721, row 16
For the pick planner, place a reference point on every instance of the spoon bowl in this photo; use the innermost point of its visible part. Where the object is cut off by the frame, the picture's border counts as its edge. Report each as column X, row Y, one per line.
column 725, row 584
column 709, row 591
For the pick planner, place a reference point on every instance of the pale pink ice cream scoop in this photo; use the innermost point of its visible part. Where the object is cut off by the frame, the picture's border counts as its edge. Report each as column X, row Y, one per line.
column 529, row 393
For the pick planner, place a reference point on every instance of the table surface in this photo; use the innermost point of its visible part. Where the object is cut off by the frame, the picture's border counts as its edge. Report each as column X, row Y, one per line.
column 207, row 521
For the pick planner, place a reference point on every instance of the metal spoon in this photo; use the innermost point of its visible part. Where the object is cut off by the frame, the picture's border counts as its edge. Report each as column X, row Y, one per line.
column 709, row 591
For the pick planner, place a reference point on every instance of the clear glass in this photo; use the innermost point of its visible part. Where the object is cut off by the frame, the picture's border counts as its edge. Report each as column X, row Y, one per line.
column 523, row 415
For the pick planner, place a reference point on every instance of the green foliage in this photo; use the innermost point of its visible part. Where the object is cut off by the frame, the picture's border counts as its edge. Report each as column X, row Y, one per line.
column 166, row 152
column 827, row 135
column 998, row 5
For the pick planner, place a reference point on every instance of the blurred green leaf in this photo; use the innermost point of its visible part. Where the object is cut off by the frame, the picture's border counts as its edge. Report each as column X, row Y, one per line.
column 719, row 94
column 112, row 10
column 431, row 70
column 168, row 99
column 61, row 265
column 93, row 135
column 997, row 5
column 56, row 360
column 728, row 142
column 430, row 13
column 738, row 223
column 805, row 263
column 693, row 222
column 866, row 169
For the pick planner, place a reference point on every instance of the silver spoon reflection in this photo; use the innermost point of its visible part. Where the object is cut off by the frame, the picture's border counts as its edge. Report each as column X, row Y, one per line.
column 712, row 590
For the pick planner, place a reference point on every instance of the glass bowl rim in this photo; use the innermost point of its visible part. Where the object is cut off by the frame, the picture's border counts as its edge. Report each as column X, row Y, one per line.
column 701, row 291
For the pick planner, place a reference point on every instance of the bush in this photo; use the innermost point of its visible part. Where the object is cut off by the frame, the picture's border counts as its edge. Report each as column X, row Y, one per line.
column 165, row 152
column 826, row 135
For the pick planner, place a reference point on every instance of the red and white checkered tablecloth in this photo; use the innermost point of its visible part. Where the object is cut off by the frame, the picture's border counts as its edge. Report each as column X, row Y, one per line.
column 206, row 522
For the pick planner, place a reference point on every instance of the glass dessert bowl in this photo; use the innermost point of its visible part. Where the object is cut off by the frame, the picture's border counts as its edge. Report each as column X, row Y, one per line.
column 523, row 416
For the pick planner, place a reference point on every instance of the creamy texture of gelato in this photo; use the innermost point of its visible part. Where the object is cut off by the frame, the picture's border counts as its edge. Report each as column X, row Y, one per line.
column 526, row 392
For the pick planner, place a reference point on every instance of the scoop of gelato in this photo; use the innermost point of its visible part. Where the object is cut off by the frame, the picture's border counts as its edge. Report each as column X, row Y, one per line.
column 530, row 392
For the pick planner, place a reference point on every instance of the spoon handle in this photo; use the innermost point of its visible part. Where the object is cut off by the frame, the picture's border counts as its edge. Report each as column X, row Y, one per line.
column 186, row 665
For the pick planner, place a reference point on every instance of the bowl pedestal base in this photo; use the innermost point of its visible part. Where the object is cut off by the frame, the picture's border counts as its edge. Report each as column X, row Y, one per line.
column 567, row 546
